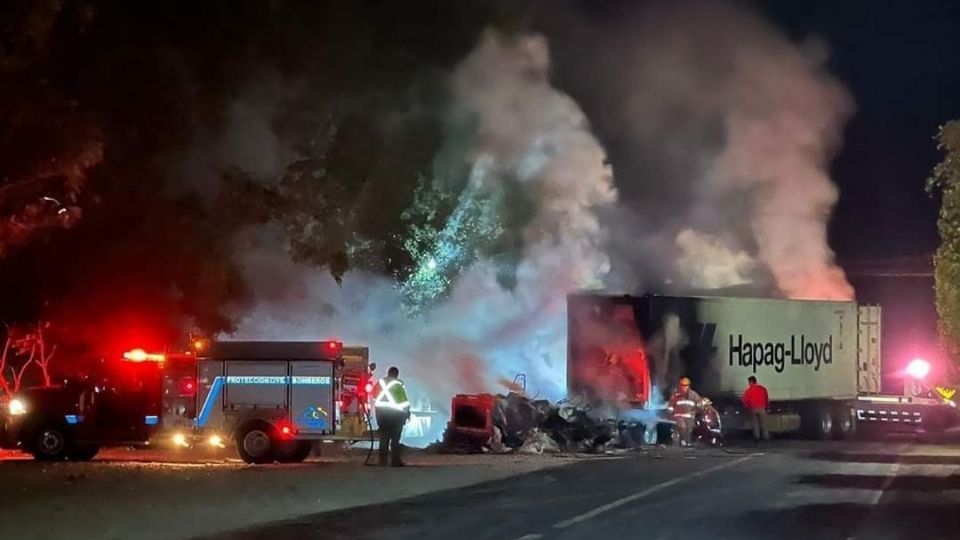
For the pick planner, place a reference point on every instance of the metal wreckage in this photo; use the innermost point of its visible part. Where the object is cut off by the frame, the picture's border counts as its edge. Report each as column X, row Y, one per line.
column 515, row 423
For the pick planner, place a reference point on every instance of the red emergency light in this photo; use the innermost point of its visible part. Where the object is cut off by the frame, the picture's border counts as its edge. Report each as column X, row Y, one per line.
column 187, row 386
column 140, row 355
column 332, row 348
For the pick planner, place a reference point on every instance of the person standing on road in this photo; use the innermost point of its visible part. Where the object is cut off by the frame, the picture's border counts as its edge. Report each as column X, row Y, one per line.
column 393, row 410
column 756, row 400
column 683, row 405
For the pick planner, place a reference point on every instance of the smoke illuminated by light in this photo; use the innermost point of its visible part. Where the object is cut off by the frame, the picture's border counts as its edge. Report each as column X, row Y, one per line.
column 452, row 327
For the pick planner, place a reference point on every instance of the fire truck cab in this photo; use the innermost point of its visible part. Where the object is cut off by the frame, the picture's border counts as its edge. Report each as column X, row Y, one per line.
column 74, row 419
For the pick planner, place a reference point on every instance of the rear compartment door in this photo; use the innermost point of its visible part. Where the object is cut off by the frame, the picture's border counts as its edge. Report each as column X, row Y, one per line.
column 311, row 400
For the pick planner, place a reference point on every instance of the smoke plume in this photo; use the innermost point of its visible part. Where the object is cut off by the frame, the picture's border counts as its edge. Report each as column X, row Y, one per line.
column 718, row 128
column 529, row 140
column 720, row 132
column 706, row 262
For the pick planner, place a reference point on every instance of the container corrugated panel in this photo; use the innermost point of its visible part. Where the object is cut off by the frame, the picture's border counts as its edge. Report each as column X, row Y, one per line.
column 868, row 350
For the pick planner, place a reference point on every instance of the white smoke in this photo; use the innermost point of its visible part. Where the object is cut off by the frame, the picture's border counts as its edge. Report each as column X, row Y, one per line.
column 483, row 334
column 783, row 124
column 706, row 262
column 741, row 125
column 722, row 125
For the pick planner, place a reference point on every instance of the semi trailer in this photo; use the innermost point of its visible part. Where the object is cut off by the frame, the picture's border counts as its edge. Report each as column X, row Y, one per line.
column 819, row 360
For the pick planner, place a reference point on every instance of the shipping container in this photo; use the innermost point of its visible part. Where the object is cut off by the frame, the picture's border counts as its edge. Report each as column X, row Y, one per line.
column 631, row 350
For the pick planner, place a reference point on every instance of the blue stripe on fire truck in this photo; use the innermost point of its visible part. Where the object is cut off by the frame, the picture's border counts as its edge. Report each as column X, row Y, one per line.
column 218, row 383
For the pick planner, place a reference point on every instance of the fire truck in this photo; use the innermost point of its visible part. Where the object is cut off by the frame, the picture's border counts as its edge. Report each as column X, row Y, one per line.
column 272, row 400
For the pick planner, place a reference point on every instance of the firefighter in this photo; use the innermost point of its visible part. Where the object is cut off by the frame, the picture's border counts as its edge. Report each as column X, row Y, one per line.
column 683, row 404
column 756, row 400
column 392, row 410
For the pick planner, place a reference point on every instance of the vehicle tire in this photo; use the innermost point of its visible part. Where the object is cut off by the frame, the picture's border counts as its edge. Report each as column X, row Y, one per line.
column 50, row 443
column 293, row 451
column 845, row 422
column 823, row 422
column 83, row 452
column 817, row 421
column 256, row 442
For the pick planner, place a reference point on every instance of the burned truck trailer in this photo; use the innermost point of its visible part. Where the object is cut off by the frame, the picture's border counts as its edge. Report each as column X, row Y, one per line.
column 814, row 357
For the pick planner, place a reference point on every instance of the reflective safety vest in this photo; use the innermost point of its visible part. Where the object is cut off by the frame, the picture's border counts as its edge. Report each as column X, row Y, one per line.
column 684, row 405
column 392, row 395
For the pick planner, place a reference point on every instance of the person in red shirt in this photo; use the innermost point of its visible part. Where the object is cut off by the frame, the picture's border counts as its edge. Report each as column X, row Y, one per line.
column 756, row 400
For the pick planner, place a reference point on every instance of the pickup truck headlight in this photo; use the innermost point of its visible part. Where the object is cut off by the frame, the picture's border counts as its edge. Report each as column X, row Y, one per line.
column 17, row 407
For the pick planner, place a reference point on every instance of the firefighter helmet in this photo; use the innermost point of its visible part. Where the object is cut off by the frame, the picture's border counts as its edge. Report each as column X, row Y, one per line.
column 684, row 381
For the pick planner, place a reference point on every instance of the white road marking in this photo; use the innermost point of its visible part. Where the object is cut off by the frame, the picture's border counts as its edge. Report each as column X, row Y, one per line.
column 641, row 494
column 875, row 499
column 530, row 537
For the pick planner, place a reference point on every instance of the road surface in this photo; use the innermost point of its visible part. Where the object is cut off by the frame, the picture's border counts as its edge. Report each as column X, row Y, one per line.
column 869, row 490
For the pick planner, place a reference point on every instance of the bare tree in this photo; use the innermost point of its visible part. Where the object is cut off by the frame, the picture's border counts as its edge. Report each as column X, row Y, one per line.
column 22, row 349
column 5, row 385
column 44, row 353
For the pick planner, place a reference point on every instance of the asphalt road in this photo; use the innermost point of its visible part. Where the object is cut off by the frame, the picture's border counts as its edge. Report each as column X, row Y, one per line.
column 869, row 490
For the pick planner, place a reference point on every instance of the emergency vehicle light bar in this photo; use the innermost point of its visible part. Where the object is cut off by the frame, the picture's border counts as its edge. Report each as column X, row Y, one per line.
column 140, row 355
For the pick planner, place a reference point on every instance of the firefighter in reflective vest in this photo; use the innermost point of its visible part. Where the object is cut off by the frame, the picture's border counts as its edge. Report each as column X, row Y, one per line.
column 683, row 404
column 392, row 410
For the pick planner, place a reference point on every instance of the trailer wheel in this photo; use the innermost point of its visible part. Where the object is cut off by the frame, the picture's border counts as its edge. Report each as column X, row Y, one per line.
column 818, row 421
column 293, row 451
column 49, row 443
column 83, row 452
column 845, row 424
column 255, row 442
column 824, row 422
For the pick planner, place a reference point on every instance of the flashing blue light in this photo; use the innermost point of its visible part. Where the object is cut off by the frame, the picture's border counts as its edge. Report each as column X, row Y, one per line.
column 73, row 419
column 151, row 419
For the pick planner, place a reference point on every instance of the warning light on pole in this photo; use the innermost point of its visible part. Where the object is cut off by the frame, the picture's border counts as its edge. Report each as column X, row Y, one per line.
column 200, row 344
column 918, row 368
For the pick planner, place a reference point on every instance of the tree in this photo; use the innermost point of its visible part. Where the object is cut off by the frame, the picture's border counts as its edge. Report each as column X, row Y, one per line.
column 25, row 347
column 946, row 179
column 48, row 139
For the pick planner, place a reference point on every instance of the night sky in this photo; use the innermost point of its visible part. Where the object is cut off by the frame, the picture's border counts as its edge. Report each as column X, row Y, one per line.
column 898, row 60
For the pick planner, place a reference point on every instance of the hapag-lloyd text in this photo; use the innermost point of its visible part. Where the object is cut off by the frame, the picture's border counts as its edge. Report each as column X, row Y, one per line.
column 757, row 353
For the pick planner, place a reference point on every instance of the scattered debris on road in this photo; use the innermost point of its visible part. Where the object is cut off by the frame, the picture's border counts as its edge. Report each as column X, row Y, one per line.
column 515, row 423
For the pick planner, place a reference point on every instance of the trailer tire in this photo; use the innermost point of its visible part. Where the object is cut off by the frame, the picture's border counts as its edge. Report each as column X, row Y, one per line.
column 845, row 422
column 293, row 451
column 256, row 442
column 50, row 443
column 818, row 421
column 83, row 452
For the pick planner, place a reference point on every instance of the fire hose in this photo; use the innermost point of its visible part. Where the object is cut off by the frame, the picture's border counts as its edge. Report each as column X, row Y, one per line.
column 366, row 414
